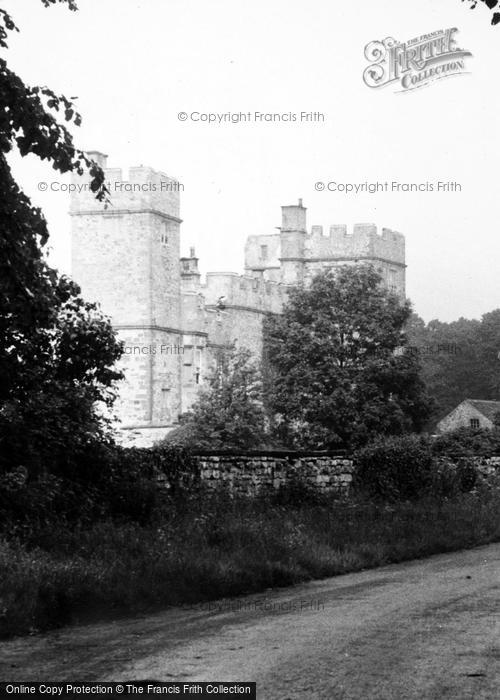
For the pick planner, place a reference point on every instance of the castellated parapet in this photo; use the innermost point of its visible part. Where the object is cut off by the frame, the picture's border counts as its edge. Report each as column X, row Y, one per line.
column 294, row 255
column 173, row 323
column 126, row 254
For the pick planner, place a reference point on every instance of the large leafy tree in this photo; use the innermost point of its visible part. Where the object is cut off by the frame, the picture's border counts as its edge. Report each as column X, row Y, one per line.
column 229, row 411
column 459, row 359
column 489, row 352
column 56, row 351
column 333, row 377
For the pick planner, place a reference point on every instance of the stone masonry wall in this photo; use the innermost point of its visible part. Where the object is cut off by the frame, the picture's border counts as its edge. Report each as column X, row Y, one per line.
column 330, row 473
column 250, row 474
column 487, row 465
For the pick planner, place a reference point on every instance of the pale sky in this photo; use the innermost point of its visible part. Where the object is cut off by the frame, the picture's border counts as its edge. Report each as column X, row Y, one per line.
column 135, row 64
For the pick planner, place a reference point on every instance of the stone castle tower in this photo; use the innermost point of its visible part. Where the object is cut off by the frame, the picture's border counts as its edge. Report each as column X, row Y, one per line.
column 127, row 257
column 293, row 256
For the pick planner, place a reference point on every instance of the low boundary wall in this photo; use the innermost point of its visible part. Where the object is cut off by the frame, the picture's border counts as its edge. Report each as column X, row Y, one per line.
column 252, row 472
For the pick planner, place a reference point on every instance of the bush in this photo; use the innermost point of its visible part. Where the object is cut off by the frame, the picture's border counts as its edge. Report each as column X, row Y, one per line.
column 467, row 441
column 139, row 481
column 451, row 478
column 126, row 483
column 394, row 468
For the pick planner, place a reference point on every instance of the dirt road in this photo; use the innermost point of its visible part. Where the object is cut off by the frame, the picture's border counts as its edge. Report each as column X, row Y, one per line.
column 424, row 629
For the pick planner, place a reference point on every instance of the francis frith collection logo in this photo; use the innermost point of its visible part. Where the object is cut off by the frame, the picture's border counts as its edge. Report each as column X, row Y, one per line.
column 414, row 63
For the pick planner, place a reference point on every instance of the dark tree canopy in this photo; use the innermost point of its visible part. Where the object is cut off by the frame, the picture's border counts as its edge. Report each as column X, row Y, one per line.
column 460, row 360
column 332, row 376
column 56, row 351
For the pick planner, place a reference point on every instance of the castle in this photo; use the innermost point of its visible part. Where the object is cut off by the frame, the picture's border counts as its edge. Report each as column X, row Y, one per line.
column 127, row 257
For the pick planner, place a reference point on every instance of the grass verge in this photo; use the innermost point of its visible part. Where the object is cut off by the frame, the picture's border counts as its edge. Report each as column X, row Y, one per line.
column 217, row 548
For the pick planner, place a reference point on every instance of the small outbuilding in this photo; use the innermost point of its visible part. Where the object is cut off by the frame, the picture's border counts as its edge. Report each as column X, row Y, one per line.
column 471, row 413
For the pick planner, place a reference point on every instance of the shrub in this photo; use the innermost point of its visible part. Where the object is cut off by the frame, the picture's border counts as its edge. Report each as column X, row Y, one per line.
column 138, row 481
column 126, row 483
column 467, row 441
column 451, row 478
column 467, row 475
column 394, row 468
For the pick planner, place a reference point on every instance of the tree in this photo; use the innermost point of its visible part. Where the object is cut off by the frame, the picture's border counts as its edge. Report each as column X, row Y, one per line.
column 333, row 378
column 229, row 412
column 56, row 351
column 459, row 359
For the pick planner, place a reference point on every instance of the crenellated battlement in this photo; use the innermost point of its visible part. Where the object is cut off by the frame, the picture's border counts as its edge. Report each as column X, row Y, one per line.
column 229, row 289
column 363, row 240
column 337, row 231
column 265, row 251
column 138, row 189
column 295, row 254
column 126, row 255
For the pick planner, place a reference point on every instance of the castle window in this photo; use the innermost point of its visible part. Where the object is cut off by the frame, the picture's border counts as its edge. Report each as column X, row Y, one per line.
column 474, row 422
column 392, row 280
column 263, row 252
column 197, row 372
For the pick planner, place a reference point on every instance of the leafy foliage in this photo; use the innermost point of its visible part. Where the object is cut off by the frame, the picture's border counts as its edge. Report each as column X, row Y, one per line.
column 468, row 441
column 131, row 484
column 490, row 4
column 27, row 120
column 57, row 385
column 56, row 351
column 332, row 377
column 229, row 412
column 395, row 468
column 459, row 359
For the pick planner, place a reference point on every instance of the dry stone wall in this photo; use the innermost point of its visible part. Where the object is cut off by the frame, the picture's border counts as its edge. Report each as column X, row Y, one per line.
column 254, row 473
column 487, row 465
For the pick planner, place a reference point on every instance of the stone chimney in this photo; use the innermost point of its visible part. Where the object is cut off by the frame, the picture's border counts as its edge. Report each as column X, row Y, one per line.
column 293, row 217
column 190, row 276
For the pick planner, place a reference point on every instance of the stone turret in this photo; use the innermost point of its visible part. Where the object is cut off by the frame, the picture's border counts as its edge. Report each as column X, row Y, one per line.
column 293, row 234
